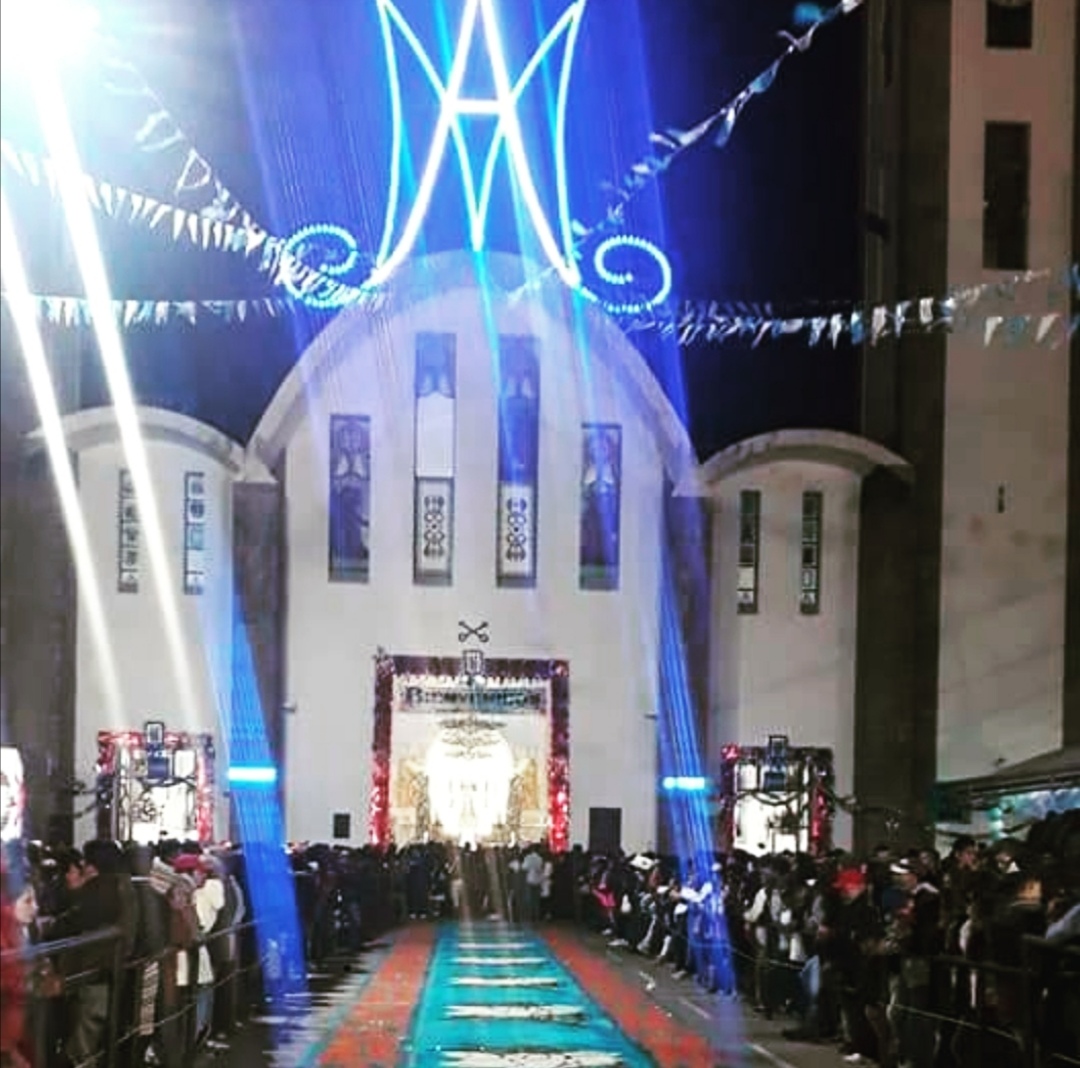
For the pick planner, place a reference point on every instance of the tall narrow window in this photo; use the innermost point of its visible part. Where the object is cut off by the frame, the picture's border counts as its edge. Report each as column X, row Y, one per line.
column 749, row 550
column 601, row 489
column 194, row 532
column 810, row 567
column 350, row 498
column 127, row 527
column 433, row 500
column 1006, row 175
column 519, row 459
column 1008, row 23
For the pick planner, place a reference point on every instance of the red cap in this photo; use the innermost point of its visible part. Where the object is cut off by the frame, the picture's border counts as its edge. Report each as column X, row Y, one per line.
column 188, row 862
column 850, row 879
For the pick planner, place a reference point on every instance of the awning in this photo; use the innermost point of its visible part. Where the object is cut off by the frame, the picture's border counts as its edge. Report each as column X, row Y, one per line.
column 1056, row 770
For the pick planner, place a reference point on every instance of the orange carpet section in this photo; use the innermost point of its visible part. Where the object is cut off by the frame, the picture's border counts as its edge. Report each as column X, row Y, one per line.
column 376, row 1029
column 667, row 1041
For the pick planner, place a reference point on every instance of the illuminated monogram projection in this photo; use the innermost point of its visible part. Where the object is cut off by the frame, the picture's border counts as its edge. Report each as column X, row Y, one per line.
column 454, row 109
column 334, row 251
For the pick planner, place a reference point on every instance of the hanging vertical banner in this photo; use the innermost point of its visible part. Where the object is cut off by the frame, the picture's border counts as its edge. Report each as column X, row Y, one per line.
column 601, row 491
column 350, row 498
column 519, row 460
column 433, row 505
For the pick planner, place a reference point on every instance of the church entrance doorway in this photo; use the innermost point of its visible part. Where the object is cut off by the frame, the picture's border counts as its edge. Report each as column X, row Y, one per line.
column 471, row 758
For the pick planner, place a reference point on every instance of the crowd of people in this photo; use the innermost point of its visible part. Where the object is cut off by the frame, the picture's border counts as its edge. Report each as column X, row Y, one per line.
column 908, row 958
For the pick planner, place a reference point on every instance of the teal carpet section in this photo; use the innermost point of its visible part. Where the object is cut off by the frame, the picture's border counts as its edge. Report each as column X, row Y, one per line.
column 497, row 998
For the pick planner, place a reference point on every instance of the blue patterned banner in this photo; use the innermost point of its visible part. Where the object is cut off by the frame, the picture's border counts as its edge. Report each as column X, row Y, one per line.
column 433, row 509
column 350, row 498
column 519, row 454
column 601, row 492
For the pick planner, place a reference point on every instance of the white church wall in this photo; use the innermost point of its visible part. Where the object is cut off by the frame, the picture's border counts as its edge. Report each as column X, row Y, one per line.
column 146, row 671
column 1006, row 415
column 779, row 671
column 335, row 628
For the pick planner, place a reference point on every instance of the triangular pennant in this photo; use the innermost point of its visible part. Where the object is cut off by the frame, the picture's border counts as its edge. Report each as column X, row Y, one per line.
column 11, row 157
column 879, row 317
column 1046, row 323
column 898, row 317
column 90, row 188
column 105, row 194
column 991, row 325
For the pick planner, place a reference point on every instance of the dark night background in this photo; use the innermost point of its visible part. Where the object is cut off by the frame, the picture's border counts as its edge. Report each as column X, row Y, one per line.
column 288, row 102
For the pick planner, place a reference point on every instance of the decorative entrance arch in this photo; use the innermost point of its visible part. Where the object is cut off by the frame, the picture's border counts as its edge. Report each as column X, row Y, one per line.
column 435, row 676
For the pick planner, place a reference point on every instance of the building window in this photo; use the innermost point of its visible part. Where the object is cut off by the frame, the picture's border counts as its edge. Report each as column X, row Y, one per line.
column 519, row 461
column 127, row 525
column 433, row 469
column 1008, row 23
column 350, row 498
column 194, row 532
column 749, row 550
column 810, row 560
column 601, row 489
column 1006, row 169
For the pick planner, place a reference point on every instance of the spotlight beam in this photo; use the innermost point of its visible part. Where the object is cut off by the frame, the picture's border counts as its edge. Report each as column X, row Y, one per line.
column 24, row 313
column 56, row 126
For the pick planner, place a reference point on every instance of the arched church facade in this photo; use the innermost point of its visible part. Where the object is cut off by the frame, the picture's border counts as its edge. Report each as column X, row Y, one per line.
column 473, row 481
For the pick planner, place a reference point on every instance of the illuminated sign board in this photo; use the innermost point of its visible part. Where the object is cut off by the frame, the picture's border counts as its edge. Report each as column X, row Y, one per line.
column 12, row 794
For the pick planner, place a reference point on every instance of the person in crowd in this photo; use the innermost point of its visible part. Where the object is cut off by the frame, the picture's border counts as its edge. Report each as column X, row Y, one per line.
column 532, row 870
column 144, row 978
column 104, row 898
column 208, row 898
column 16, row 1045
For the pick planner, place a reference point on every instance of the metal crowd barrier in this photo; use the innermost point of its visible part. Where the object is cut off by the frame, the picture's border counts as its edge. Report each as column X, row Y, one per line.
column 124, row 1042
column 174, row 1006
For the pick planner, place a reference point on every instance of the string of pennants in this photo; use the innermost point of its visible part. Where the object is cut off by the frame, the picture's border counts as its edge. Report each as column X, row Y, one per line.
column 666, row 146
column 694, row 322
column 699, row 322
column 694, row 325
column 77, row 311
column 204, row 231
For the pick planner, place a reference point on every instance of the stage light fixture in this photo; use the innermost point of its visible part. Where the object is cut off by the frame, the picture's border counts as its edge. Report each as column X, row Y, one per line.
column 42, row 31
column 253, row 775
column 687, row 784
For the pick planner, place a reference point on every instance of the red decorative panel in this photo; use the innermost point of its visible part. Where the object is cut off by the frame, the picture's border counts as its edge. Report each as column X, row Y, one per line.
column 555, row 672
column 110, row 743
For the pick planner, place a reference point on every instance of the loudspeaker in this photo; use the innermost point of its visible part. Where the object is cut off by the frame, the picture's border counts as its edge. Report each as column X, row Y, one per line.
column 342, row 824
column 605, row 830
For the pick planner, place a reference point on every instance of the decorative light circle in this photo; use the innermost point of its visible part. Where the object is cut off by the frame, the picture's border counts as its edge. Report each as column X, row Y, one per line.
column 619, row 243
column 300, row 247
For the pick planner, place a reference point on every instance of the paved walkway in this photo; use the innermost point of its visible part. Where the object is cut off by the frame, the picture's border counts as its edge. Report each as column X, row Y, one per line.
column 494, row 996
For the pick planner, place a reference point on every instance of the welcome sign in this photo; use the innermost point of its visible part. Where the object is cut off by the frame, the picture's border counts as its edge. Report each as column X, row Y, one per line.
column 489, row 699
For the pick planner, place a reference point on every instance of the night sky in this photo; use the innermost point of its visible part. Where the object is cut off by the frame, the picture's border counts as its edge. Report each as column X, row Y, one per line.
column 288, row 101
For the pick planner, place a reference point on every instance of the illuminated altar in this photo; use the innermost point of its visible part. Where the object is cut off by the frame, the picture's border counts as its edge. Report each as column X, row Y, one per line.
column 473, row 759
